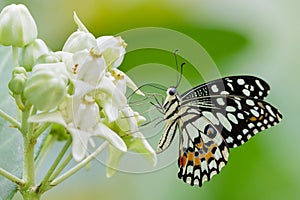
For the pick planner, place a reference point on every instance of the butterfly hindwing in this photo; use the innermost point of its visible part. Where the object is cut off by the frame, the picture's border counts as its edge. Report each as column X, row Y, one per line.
column 202, row 150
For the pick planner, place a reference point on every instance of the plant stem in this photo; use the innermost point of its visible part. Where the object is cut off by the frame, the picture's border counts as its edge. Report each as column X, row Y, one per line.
column 15, row 56
column 61, row 167
column 41, row 129
column 54, row 165
column 11, row 177
column 47, row 146
column 79, row 165
column 28, row 190
column 10, row 119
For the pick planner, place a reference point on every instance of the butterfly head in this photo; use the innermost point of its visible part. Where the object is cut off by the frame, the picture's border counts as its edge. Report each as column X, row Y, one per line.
column 171, row 101
column 171, row 91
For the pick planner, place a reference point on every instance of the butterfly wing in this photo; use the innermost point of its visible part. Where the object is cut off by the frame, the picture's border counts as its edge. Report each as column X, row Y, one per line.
column 249, row 86
column 202, row 150
column 237, row 117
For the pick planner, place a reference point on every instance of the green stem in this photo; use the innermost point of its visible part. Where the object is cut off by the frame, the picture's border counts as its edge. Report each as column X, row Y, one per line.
column 61, row 167
column 28, row 190
column 79, row 165
column 47, row 146
column 45, row 181
column 10, row 119
column 41, row 129
column 28, row 163
column 11, row 177
column 15, row 56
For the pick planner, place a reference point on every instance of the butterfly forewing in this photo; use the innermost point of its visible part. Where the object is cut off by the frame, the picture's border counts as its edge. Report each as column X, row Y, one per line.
column 239, row 118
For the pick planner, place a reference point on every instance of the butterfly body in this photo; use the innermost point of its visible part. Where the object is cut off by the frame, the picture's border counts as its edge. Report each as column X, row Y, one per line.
column 210, row 119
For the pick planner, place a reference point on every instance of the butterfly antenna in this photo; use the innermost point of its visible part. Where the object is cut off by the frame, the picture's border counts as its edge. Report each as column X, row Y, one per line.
column 147, row 84
column 181, row 72
column 176, row 62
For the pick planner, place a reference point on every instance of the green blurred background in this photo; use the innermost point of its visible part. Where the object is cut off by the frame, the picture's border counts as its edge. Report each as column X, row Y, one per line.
column 258, row 37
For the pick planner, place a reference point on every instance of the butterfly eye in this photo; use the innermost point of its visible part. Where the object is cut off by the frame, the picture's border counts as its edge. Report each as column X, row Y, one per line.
column 171, row 91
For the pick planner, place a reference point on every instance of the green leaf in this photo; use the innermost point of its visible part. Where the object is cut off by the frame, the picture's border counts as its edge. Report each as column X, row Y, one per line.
column 10, row 139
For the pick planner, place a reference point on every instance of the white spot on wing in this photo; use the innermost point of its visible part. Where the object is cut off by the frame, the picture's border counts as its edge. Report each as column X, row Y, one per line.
column 232, row 118
column 270, row 110
column 259, row 84
column 241, row 81
column 213, row 164
column 210, row 117
column 254, row 112
column 246, row 92
column 226, row 124
column 240, row 115
column 250, row 125
column 230, row 109
column 204, row 178
column 229, row 85
column 224, row 92
column 250, row 102
column 229, row 139
column 213, row 173
column 245, row 131
column 220, row 101
column 214, row 88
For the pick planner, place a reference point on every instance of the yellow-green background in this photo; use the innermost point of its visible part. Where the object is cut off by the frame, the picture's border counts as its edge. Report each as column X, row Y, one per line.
column 259, row 37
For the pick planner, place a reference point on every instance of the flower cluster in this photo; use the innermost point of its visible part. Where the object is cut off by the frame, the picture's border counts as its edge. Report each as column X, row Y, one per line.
column 78, row 88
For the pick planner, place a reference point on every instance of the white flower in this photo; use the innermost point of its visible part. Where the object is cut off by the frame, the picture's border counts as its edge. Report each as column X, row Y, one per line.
column 113, row 50
column 97, row 105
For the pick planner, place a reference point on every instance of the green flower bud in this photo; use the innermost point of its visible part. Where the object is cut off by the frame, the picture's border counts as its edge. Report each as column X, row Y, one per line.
column 32, row 52
column 48, row 58
column 17, row 27
column 78, row 41
column 47, row 86
column 18, row 81
column 59, row 132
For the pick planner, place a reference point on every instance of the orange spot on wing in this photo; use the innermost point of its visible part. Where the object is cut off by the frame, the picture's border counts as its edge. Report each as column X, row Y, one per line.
column 209, row 155
column 197, row 161
column 183, row 160
column 253, row 119
column 190, row 156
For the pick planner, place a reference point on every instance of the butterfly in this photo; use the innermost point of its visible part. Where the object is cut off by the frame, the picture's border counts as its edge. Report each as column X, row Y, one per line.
column 212, row 118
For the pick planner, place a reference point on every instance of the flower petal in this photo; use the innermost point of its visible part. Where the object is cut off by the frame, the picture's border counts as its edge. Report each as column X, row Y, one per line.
column 79, row 143
column 114, row 156
column 129, row 82
column 54, row 117
column 141, row 146
column 113, row 138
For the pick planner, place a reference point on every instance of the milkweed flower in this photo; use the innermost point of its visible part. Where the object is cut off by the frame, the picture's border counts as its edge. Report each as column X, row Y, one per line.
column 97, row 105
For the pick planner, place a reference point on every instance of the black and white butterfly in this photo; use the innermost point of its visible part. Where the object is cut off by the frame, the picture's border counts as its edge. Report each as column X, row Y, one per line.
column 212, row 118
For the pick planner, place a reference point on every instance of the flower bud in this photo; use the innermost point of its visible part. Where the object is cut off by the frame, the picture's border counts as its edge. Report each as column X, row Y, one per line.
column 78, row 41
column 59, row 132
column 31, row 52
column 48, row 58
column 17, row 27
column 18, row 81
column 47, row 86
column 113, row 50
